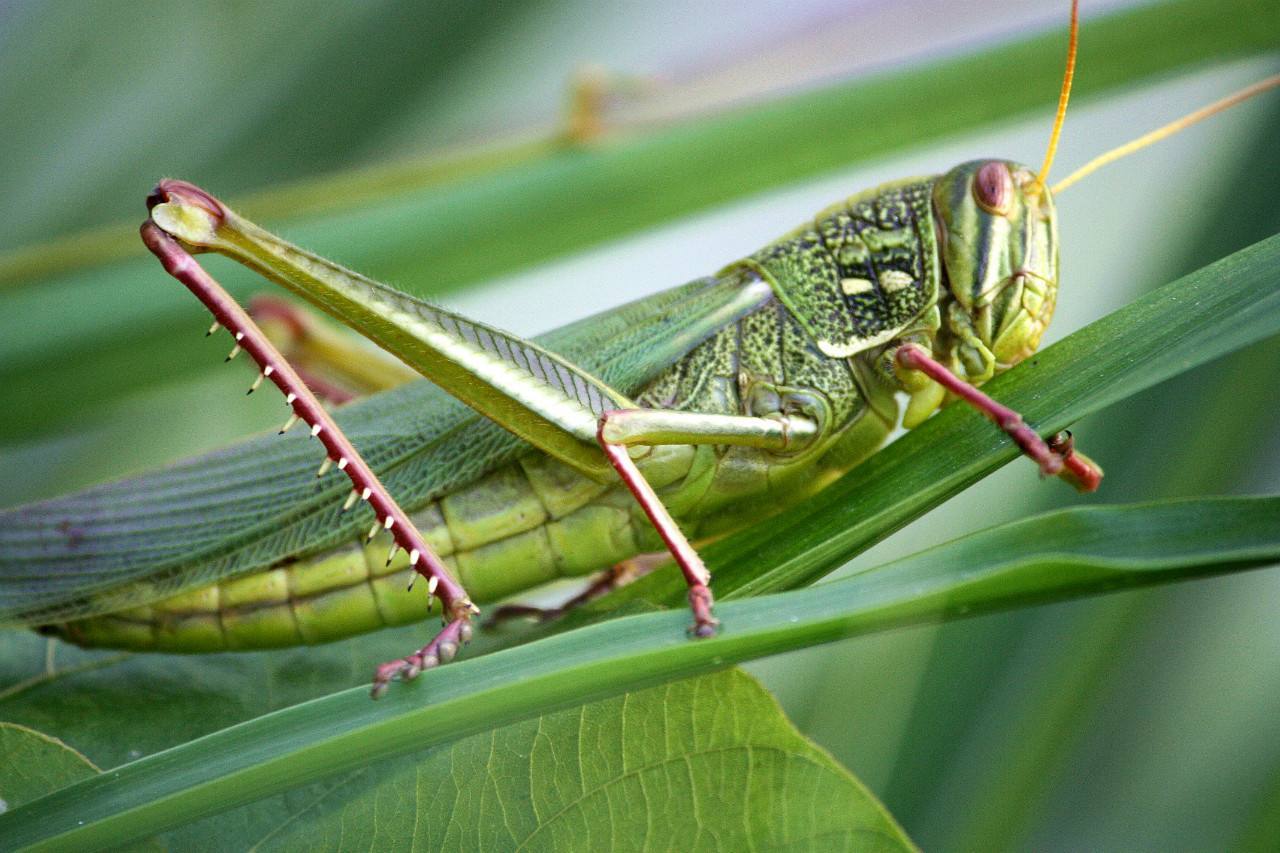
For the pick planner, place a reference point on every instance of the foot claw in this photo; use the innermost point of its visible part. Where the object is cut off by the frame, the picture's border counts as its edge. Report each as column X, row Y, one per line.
column 704, row 630
column 442, row 649
column 704, row 624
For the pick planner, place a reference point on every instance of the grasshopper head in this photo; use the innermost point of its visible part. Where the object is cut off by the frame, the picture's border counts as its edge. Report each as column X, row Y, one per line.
column 998, row 236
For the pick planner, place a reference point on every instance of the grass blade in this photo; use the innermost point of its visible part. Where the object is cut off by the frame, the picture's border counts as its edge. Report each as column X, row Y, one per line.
column 1051, row 557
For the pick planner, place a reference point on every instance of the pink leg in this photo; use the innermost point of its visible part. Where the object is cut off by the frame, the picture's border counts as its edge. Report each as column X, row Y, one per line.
column 695, row 573
column 458, row 607
column 1080, row 471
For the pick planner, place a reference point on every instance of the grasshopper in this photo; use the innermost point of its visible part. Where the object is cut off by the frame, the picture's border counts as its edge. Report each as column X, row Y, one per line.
column 675, row 416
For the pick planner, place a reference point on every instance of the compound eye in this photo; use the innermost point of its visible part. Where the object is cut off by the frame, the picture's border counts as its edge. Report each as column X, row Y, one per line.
column 993, row 188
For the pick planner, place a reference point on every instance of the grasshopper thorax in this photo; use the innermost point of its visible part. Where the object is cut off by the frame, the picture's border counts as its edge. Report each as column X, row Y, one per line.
column 998, row 240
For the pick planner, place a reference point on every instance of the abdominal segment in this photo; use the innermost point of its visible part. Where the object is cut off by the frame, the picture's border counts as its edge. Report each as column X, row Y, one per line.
column 520, row 526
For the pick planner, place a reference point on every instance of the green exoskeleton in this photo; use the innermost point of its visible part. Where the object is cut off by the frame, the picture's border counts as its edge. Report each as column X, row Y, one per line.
column 682, row 415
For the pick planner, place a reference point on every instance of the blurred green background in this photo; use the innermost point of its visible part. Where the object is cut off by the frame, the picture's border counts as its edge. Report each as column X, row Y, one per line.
column 1145, row 720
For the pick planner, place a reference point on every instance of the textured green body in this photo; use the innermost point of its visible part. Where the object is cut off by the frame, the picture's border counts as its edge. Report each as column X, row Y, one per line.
column 865, row 272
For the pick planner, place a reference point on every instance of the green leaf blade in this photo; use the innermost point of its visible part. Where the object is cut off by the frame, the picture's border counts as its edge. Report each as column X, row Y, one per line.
column 36, row 764
column 317, row 739
column 707, row 763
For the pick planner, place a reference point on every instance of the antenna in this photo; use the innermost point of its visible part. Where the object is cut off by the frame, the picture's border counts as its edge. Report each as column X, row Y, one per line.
column 1064, row 96
column 1168, row 130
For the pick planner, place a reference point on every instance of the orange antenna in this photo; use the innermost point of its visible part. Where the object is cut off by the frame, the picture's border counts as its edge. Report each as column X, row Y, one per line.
column 1063, row 96
column 1168, row 130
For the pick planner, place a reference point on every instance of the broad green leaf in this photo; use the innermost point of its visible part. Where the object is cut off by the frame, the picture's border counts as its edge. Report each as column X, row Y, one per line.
column 703, row 764
column 33, row 764
column 1059, row 555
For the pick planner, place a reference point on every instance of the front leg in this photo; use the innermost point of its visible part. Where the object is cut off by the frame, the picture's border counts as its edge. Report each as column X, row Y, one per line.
column 1055, row 458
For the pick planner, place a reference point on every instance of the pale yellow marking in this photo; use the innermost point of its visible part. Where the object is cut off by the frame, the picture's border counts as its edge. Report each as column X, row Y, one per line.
column 855, row 286
column 892, row 281
column 838, row 350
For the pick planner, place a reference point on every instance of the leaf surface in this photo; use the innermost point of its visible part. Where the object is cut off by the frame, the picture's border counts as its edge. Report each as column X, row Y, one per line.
column 36, row 764
column 1052, row 557
column 708, row 763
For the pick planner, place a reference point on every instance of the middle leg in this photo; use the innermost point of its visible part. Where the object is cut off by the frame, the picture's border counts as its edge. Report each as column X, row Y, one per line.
column 621, row 429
